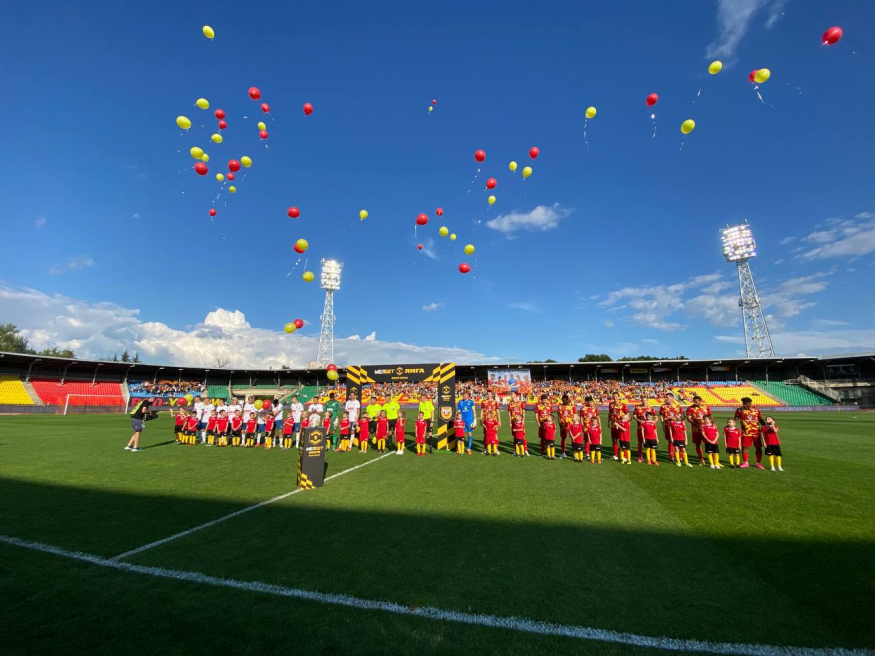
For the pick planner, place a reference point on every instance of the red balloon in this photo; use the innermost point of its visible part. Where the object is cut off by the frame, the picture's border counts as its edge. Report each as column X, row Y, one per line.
column 299, row 323
column 422, row 219
column 223, row 125
column 652, row 99
column 294, row 212
column 752, row 77
column 265, row 107
column 213, row 211
column 832, row 36
column 464, row 268
column 331, row 367
column 298, row 250
column 265, row 404
column 419, row 246
column 439, row 211
column 234, row 165
column 534, row 151
column 491, row 182
column 254, row 93
column 220, row 113
column 480, row 155
column 263, row 134
column 308, row 109
column 181, row 401
column 230, row 176
column 201, row 168
column 434, row 102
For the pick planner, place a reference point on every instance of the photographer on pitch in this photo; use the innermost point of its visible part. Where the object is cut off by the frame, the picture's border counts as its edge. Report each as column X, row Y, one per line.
column 142, row 413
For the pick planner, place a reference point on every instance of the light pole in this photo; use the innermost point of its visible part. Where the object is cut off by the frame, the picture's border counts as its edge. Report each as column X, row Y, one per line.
column 330, row 282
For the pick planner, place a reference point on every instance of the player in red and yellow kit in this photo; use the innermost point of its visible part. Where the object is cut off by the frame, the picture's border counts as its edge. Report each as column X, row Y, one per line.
column 696, row 414
column 222, row 422
column 616, row 409
column 399, row 433
column 236, row 429
column 269, row 431
column 669, row 412
column 651, row 437
column 179, row 426
column 364, row 433
column 623, row 429
column 459, row 430
column 712, row 442
column 595, row 441
column 588, row 411
column 490, row 435
column 566, row 412
column 421, row 428
column 576, row 432
column 517, row 407
column 382, row 431
column 773, row 444
column 518, row 431
column 212, row 421
column 550, row 437
column 191, row 429
column 732, row 439
column 678, row 430
column 288, row 430
column 750, row 420
column 640, row 414
column 543, row 410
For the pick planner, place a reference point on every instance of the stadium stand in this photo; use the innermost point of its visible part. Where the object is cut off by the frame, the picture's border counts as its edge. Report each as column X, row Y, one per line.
column 793, row 395
column 718, row 395
column 217, row 391
column 52, row 392
column 12, row 391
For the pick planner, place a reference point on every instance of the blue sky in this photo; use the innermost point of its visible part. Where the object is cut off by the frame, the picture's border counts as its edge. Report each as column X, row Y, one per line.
column 611, row 245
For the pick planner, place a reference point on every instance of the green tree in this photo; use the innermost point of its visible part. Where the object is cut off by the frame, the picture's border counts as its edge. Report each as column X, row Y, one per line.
column 640, row 358
column 125, row 356
column 115, row 357
column 136, row 357
column 548, row 361
column 11, row 340
column 55, row 352
column 595, row 357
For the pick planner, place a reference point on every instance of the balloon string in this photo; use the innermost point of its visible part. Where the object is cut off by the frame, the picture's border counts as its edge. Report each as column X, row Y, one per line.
column 471, row 186
column 683, row 139
column 584, row 137
column 698, row 93
column 653, row 121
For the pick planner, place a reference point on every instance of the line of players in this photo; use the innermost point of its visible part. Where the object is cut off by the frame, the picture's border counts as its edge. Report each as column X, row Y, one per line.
column 582, row 427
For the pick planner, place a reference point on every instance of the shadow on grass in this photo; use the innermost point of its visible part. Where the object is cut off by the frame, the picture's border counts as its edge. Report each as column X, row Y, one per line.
column 718, row 587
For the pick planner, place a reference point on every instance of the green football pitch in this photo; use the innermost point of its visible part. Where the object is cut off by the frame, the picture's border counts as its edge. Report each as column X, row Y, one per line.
column 440, row 554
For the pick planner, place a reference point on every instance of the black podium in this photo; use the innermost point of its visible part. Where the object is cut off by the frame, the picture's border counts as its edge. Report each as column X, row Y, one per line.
column 311, row 459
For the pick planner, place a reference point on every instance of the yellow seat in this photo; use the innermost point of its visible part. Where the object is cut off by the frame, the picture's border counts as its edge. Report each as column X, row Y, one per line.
column 12, row 391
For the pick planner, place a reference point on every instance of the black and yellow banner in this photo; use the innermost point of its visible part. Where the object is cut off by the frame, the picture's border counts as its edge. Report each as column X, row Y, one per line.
column 311, row 460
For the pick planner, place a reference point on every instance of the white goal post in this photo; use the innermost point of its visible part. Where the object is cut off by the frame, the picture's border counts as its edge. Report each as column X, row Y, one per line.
column 92, row 401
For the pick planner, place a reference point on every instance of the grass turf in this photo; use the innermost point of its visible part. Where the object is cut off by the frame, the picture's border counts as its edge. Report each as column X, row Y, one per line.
column 736, row 556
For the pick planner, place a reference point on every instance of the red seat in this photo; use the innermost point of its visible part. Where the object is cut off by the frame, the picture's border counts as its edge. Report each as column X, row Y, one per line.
column 52, row 392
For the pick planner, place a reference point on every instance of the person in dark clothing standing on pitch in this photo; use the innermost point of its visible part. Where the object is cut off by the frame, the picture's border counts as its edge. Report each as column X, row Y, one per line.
column 140, row 414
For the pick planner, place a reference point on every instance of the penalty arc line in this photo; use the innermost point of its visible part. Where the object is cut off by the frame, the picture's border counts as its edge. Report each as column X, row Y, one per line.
column 475, row 619
column 236, row 513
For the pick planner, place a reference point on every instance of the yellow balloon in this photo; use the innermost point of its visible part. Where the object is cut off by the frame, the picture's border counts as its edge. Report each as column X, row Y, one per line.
column 512, row 166
column 232, row 189
column 453, row 237
column 688, row 126
column 715, row 67
column 430, row 108
column 308, row 276
column 205, row 158
column 590, row 112
column 363, row 215
column 333, row 375
column 289, row 328
column 220, row 177
column 203, row 103
column 261, row 125
column 469, row 249
column 491, row 200
column 762, row 75
column 527, row 171
column 246, row 161
column 258, row 404
column 209, row 32
column 217, row 138
column 183, row 122
column 444, row 231
column 196, row 152
column 302, row 244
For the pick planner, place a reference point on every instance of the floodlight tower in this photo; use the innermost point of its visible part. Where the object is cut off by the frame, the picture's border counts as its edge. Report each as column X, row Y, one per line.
column 739, row 247
column 330, row 282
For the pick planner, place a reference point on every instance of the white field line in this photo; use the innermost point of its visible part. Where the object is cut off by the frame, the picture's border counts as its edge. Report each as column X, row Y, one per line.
column 491, row 621
column 236, row 513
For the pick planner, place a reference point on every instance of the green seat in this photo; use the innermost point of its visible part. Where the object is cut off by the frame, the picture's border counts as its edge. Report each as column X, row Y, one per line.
column 793, row 395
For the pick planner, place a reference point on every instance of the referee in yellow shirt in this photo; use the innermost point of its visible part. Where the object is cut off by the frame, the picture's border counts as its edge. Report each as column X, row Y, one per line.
column 426, row 407
column 392, row 408
column 374, row 409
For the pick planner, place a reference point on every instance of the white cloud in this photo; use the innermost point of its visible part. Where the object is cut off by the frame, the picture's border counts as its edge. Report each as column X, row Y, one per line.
column 136, row 216
column 814, row 342
column 76, row 263
column 829, row 322
column 608, row 323
column 540, row 219
column 428, row 248
column 39, row 222
column 842, row 238
column 735, row 17
column 652, row 304
column 432, row 307
column 97, row 330
column 525, row 307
